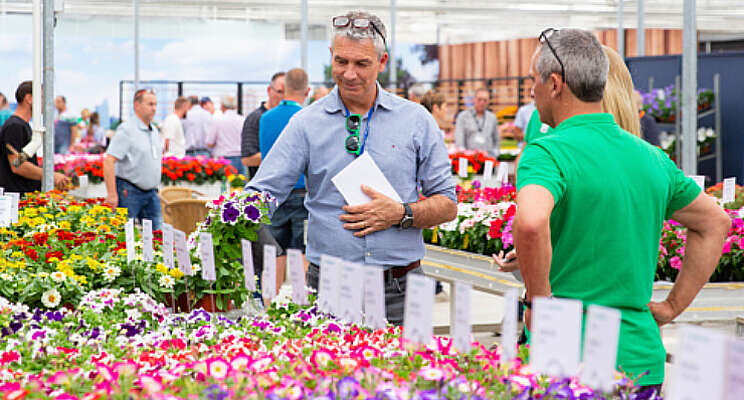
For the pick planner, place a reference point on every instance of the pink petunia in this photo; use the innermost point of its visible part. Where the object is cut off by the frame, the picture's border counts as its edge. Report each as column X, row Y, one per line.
column 675, row 262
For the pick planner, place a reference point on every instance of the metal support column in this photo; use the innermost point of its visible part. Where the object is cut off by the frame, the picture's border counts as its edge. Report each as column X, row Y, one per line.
column 391, row 41
column 38, row 123
column 47, row 182
column 136, row 46
column 641, row 31
column 303, row 34
column 689, row 89
column 719, row 150
column 620, row 30
column 240, row 98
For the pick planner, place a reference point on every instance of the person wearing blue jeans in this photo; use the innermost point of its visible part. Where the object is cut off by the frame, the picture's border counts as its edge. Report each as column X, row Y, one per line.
column 133, row 162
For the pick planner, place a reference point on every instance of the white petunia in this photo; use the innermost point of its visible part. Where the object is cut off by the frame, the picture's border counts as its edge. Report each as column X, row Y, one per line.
column 51, row 298
column 449, row 226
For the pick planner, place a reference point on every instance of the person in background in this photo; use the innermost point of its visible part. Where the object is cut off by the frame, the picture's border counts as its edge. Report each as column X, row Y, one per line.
column 195, row 128
column 223, row 138
column 249, row 148
column 84, row 120
column 16, row 132
column 402, row 138
column 319, row 93
column 174, row 142
column 477, row 128
column 94, row 139
column 207, row 104
column 522, row 119
column 65, row 127
column 568, row 249
column 5, row 111
column 416, row 92
column 649, row 129
column 288, row 220
column 133, row 163
column 436, row 104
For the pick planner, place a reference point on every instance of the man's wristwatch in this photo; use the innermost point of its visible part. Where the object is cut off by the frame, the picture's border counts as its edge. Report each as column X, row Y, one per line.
column 407, row 220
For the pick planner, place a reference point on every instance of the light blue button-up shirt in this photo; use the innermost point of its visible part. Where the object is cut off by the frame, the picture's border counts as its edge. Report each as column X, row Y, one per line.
column 405, row 142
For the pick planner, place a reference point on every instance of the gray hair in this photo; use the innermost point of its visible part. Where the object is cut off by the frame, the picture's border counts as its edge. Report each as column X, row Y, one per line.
column 585, row 63
column 228, row 102
column 362, row 34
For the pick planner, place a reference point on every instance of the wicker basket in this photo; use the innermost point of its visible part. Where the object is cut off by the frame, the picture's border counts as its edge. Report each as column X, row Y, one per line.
column 184, row 214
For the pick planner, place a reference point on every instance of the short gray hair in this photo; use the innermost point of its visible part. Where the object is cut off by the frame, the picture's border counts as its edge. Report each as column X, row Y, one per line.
column 585, row 63
column 228, row 102
column 361, row 34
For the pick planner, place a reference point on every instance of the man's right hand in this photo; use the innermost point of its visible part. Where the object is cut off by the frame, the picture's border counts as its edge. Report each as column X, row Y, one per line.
column 61, row 181
column 663, row 312
column 112, row 200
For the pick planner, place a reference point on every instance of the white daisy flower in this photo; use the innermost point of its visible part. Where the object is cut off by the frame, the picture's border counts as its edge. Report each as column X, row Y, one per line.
column 111, row 272
column 58, row 276
column 51, row 298
column 166, row 281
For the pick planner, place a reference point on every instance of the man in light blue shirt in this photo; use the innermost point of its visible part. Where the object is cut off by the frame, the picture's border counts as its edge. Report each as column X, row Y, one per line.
column 402, row 138
column 133, row 163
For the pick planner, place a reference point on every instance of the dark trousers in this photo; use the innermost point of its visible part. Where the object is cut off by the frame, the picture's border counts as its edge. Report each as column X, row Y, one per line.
column 140, row 204
column 395, row 292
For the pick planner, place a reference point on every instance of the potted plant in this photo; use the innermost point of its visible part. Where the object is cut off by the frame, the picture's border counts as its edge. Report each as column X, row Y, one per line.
column 229, row 219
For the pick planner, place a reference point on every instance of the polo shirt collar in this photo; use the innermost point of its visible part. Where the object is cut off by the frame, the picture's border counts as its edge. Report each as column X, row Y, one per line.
column 586, row 120
column 141, row 125
column 384, row 99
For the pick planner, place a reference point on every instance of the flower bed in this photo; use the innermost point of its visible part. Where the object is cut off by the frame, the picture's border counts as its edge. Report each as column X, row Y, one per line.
column 485, row 217
column 127, row 346
column 476, row 160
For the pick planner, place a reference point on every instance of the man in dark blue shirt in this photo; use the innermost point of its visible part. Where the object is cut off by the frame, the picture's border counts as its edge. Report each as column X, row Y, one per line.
column 288, row 221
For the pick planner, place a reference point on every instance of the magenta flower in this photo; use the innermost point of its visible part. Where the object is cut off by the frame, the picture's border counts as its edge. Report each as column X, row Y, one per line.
column 675, row 262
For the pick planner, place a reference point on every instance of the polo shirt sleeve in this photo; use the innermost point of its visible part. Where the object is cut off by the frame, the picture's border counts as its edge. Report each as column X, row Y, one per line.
column 434, row 167
column 682, row 190
column 119, row 146
column 538, row 167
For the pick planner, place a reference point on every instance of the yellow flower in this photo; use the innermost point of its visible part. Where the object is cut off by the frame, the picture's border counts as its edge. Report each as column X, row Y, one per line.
column 48, row 216
column 74, row 209
column 43, row 274
column 122, row 252
column 176, row 273
column 80, row 279
column 65, row 225
column 53, row 259
column 38, row 221
column 161, row 268
column 42, row 209
column 30, row 212
column 76, row 257
column 16, row 254
column 104, row 228
column 92, row 264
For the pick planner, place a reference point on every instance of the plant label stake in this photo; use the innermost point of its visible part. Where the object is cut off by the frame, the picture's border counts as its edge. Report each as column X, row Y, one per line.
column 129, row 235
column 729, row 190
column 83, row 182
column 206, row 250
column 460, row 321
column 462, row 168
column 184, row 260
column 487, row 173
column 14, row 199
column 248, row 272
column 330, row 268
column 700, row 180
column 602, row 333
column 419, row 308
column 351, row 290
column 168, row 246
column 374, row 297
column 699, row 369
column 509, row 325
column 5, row 205
column 147, row 250
column 297, row 276
column 735, row 374
column 502, row 175
column 556, row 336
column 268, row 280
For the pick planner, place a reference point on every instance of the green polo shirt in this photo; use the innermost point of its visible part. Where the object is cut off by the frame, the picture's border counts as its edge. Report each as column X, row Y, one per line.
column 612, row 193
column 535, row 128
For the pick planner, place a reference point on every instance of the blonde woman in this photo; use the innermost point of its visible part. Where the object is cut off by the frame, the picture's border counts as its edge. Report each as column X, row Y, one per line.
column 618, row 94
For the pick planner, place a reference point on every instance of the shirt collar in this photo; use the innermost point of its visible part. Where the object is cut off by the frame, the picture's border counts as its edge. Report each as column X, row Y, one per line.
column 586, row 120
column 384, row 99
column 141, row 125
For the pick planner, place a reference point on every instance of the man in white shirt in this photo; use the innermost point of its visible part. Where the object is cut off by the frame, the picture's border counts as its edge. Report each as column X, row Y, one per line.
column 195, row 128
column 174, row 142
column 477, row 128
column 223, row 138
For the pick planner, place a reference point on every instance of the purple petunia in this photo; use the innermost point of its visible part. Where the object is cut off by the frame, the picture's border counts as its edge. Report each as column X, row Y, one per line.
column 252, row 212
column 229, row 214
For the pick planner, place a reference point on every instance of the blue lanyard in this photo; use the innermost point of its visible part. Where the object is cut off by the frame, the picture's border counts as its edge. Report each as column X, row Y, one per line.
column 366, row 131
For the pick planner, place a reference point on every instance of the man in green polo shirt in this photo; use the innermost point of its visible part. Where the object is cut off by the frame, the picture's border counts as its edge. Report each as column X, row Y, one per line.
column 591, row 202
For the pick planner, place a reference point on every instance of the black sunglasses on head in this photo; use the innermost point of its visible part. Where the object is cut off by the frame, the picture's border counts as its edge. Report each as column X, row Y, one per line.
column 353, row 143
column 544, row 35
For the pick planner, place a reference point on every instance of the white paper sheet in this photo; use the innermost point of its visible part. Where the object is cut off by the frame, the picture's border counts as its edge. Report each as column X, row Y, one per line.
column 556, row 336
column 698, row 370
column 601, row 337
column 363, row 171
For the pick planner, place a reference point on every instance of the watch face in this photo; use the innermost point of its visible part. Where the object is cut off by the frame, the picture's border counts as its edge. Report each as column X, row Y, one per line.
column 406, row 223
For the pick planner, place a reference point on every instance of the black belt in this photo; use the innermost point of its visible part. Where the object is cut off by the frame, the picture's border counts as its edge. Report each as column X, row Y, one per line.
column 137, row 187
column 299, row 191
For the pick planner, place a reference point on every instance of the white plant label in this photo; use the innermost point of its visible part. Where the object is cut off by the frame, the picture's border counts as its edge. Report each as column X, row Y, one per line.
column 248, row 270
column 129, row 234
column 729, row 190
column 351, row 290
column 556, row 336
column 268, row 278
column 328, row 284
column 461, row 326
column 147, row 250
column 509, row 324
column 374, row 297
column 168, row 246
column 699, row 368
column 601, row 337
column 462, row 168
column 502, row 174
column 297, row 276
column 206, row 253
column 487, row 172
column 735, row 373
column 699, row 180
column 182, row 252
column 15, row 198
column 5, row 206
column 83, row 181
column 419, row 308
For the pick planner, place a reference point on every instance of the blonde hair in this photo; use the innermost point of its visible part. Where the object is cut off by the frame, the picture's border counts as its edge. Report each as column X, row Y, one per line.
column 618, row 94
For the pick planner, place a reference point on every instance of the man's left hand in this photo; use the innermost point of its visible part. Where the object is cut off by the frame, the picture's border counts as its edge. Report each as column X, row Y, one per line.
column 379, row 214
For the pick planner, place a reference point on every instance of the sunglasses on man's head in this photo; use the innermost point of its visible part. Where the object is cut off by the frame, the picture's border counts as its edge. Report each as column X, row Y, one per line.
column 353, row 143
column 544, row 35
column 358, row 23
